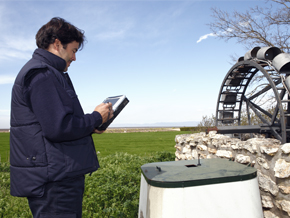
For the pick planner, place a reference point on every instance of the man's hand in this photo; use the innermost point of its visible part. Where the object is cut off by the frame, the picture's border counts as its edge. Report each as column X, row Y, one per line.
column 106, row 111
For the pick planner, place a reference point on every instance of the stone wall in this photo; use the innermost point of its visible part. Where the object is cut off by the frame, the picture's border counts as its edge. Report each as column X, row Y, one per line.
column 268, row 156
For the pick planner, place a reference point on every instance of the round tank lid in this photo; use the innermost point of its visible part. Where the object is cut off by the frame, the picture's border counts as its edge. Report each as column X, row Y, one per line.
column 186, row 173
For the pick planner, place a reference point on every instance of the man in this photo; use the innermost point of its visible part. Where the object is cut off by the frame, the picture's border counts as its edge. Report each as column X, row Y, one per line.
column 51, row 148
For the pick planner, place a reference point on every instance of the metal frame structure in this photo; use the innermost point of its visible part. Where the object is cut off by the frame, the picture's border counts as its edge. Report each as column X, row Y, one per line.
column 273, row 65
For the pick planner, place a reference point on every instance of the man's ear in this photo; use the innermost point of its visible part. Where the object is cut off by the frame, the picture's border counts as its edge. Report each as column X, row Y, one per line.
column 55, row 47
column 56, row 44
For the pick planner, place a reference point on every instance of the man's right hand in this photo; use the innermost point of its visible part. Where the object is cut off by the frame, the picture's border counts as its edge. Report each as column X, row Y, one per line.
column 106, row 111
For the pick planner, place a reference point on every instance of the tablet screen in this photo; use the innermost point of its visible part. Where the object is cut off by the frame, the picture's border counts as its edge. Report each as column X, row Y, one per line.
column 112, row 100
column 118, row 103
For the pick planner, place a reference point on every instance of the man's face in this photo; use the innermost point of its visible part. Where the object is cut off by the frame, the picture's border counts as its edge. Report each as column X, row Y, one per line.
column 68, row 53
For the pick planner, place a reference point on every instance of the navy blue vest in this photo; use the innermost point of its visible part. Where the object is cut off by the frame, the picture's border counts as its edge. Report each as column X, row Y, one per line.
column 36, row 160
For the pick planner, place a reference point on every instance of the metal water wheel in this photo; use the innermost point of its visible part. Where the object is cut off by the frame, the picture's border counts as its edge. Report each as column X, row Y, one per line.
column 254, row 95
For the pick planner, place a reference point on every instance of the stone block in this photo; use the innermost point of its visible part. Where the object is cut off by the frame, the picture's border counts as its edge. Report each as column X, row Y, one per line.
column 262, row 162
column 286, row 148
column 269, row 214
column 267, row 185
column 224, row 154
column 267, row 202
column 284, row 189
column 243, row 159
column 282, row 168
column 284, row 205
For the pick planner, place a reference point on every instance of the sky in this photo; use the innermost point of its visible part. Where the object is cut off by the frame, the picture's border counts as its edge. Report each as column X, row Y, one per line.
column 161, row 54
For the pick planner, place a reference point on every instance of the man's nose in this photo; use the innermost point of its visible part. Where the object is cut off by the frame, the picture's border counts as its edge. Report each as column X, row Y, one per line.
column 74, row 58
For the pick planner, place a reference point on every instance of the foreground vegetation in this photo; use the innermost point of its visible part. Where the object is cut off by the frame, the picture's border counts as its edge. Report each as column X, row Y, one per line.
column 111, row 191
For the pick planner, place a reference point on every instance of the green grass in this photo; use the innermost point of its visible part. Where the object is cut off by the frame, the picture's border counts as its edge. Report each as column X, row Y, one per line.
column 140, row 143
column 4, row 146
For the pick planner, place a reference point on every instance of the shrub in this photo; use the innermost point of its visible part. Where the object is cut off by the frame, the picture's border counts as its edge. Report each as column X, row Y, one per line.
column 11, row 207
column 4, row 167
column 111, row 191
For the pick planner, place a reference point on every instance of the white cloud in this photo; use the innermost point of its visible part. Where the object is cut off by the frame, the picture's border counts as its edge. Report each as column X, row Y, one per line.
column 5, row 79
column 20, row 43
column 12, row 54
column 17, row 42
column 244, row 24
column 219, row 33
column 205, row 37
column 16, row 47
column 111, row 35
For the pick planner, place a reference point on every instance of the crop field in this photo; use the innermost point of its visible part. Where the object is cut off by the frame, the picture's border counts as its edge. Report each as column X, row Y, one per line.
column 140, row 143
column 4, row 146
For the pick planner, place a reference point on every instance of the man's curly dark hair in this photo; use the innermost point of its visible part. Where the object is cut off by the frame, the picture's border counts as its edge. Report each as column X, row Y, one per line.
column 58, row 28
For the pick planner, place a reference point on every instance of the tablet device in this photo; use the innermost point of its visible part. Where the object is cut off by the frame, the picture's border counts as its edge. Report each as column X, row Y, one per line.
column 118, row 104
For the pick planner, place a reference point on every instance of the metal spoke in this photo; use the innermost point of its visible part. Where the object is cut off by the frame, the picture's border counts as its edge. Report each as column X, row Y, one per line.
column 233, row 103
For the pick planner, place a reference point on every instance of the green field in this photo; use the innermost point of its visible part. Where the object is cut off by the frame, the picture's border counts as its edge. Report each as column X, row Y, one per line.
column 4, row 146
column 140, row 143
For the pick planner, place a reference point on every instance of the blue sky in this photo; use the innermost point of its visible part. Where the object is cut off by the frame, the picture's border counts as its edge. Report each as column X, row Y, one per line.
column 160, row 54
